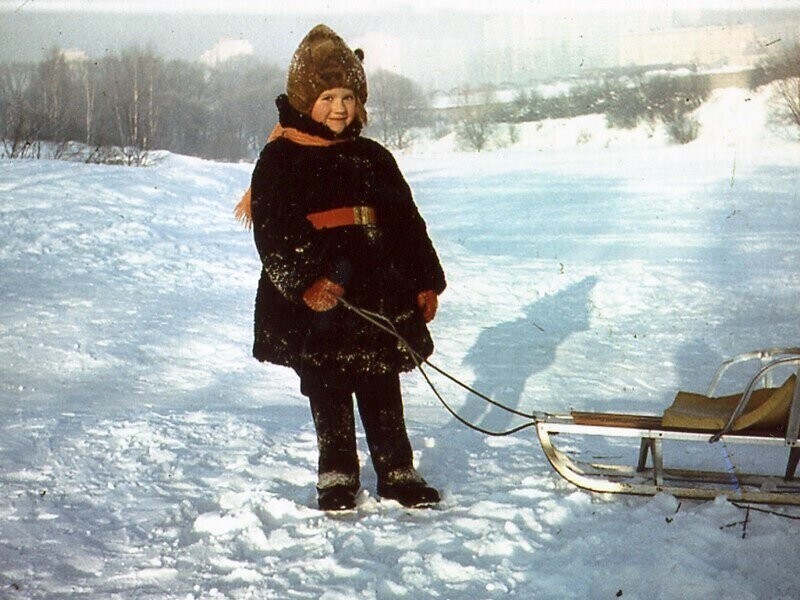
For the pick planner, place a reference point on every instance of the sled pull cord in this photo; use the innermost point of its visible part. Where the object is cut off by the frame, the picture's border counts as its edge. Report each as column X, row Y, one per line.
column 387, row 326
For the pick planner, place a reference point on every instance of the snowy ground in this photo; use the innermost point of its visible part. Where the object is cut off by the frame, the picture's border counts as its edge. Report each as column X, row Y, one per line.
column 144, row 454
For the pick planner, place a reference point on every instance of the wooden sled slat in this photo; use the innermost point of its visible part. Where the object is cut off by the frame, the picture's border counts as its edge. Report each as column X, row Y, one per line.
column 653, row 422
column 616, row 420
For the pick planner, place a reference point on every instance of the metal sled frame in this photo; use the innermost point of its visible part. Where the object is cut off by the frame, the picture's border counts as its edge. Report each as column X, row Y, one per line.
column 648, row 480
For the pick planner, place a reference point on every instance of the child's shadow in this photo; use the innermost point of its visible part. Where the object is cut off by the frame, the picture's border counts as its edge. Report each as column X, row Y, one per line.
column 506, row 355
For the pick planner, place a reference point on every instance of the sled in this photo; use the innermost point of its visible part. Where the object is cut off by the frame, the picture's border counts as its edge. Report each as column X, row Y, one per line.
column 759, row 425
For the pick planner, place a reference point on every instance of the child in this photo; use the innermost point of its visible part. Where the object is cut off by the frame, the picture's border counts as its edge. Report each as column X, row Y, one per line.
column 333, row 217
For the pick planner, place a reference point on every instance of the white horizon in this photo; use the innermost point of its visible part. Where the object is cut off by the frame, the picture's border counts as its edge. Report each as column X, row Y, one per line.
column 422, row 6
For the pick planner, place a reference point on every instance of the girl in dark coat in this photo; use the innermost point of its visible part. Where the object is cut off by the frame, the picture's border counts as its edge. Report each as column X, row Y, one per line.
column 333, row 217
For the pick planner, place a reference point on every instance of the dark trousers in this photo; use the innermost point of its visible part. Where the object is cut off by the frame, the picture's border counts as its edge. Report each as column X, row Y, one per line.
column 380, row 406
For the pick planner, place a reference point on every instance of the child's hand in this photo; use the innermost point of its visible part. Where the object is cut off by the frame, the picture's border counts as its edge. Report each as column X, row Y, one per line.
column 428, row 303
column 323, row 295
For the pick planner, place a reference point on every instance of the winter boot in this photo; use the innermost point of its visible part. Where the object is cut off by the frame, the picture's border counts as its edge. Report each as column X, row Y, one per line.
column 336, row 491
column 409, row 489
column 338, row 497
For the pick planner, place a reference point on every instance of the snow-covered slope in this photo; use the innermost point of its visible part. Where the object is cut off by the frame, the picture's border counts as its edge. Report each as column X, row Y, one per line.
column 144, row 454
column 730, row 117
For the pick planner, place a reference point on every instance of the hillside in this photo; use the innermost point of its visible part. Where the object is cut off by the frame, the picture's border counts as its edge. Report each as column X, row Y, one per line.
column 145, row 454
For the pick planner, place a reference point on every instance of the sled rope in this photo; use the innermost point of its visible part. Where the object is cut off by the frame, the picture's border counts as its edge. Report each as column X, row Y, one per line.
column 766, row 511
column 730, row 466
column 386, row 325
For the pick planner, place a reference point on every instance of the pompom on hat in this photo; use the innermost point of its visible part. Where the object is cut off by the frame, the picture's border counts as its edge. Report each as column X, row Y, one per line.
column 322, row 62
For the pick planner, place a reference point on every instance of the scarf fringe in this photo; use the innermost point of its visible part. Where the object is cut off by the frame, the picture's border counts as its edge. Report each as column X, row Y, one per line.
column 243, row 210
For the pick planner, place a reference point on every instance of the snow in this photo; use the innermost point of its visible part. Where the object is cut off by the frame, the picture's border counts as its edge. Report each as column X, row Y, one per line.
column 143, row 453
column 732, row 118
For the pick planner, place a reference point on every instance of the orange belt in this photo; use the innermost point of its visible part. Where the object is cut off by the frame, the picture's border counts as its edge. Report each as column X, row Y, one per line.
column 339, row 217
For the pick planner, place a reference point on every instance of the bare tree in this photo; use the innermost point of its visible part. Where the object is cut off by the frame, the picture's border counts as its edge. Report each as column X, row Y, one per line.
column 44, row 102
column 16, row 126
column 241, row 98
column 130, row 86
column 186, row 109
column 783, row 68
column 52, row 98
column 397, row 106
column 672, row 100
column 87, row 75
column 788, row 93
column 127, row 104
column 476, row 123
column 631, row 101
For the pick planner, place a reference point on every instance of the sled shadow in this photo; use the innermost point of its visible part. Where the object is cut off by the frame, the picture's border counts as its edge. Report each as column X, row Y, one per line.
column 506, row 355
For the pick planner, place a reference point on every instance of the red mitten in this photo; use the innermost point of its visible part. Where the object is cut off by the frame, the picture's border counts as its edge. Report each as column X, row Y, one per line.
column 428, row 303
column 323, row 294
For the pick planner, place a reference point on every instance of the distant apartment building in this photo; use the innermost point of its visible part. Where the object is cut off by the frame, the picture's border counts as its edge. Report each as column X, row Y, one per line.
column 736, row 45
column 518, row 48
column 524, row 46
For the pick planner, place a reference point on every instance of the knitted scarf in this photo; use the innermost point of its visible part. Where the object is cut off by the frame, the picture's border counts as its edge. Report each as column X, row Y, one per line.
column 243, row 211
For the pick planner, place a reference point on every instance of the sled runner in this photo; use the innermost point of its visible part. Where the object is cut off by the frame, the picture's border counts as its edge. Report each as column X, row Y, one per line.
column 759, row 425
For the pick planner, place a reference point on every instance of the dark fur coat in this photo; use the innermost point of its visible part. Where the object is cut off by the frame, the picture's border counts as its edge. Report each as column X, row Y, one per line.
column 382, row 268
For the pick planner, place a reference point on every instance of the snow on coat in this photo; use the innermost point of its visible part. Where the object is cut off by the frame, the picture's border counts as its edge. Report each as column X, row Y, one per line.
column 382, row 267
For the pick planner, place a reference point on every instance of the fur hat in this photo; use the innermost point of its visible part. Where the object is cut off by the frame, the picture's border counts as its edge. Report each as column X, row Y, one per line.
column 322, row 62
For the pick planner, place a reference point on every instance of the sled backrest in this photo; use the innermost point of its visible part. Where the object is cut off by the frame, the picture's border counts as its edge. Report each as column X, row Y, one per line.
column 766, row 409
column 787, row 358
column 793, row 425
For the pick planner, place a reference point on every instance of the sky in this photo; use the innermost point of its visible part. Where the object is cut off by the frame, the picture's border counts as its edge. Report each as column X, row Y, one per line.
column 327, row 7
column 435, row 42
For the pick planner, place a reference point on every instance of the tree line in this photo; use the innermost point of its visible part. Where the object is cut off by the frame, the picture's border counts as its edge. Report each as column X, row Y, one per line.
column 783, row 68
column 630, row 97
column 138, row 101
